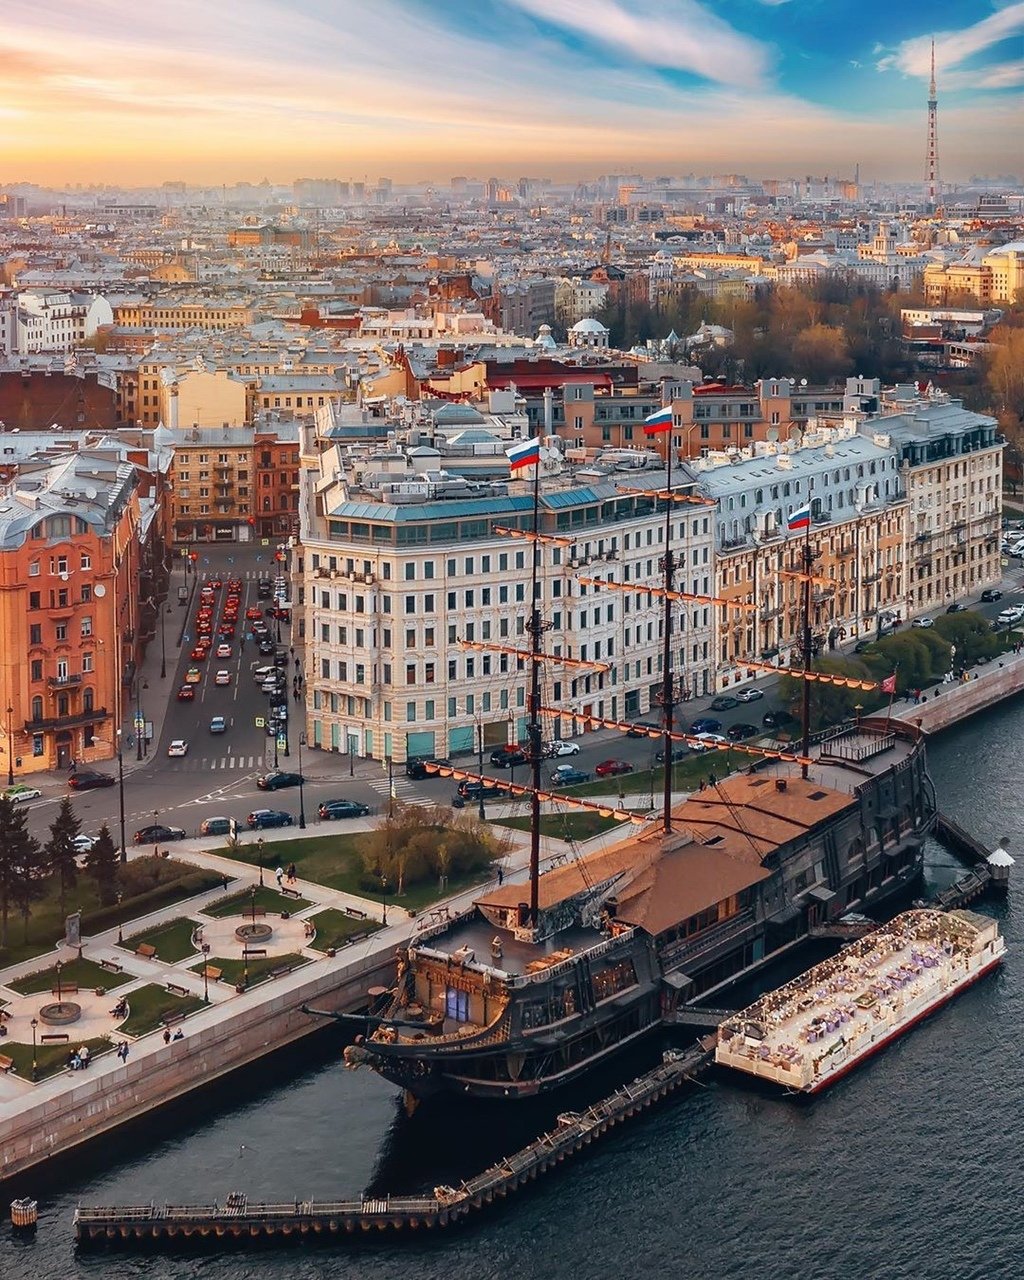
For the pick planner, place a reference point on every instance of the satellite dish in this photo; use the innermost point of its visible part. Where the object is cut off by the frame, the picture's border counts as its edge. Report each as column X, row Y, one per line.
column 99, row 590
column 772, row 435
column 90, row 493
column 803, row 382
column 795, row 433
column 64, row 576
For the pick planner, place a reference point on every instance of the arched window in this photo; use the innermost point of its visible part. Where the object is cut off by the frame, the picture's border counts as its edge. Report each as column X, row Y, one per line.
column 87, row 700
column 37, row 708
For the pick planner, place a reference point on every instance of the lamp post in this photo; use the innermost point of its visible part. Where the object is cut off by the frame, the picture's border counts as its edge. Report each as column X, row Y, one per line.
column 384, row 897
column 35, row 1025
column 163, row 645
column 480, row 764
column 302, row 800
column 120, row 795
column 140, row 724
column 58, row 967
column 274, row 726
column 120, row 935
column 391, row 788
column 351, row 765
column 259, row 852
column 10, row 747
column 206, row 975
column 252, row 901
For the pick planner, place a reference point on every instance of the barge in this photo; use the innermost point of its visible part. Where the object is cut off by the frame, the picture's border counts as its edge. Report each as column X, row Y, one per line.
column 811, row 1032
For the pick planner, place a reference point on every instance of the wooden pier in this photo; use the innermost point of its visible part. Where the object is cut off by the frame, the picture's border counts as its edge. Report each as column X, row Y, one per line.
column 237, row 1220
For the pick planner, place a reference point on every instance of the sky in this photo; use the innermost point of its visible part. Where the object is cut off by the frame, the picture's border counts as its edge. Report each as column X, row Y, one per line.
column 212, row 91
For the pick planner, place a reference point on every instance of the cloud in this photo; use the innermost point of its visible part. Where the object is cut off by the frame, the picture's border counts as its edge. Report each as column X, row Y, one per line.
column 678, row 34
column 952, row 48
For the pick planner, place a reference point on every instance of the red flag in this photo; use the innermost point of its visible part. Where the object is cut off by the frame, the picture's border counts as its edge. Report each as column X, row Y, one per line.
column 889, row 684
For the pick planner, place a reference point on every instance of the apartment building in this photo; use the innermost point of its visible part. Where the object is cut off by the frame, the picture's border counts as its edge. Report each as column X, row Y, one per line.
column 212, row 484
column 164, row 315
column 399, row 567
column 57, row 321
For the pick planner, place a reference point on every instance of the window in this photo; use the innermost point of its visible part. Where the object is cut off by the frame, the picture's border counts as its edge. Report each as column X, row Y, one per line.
column 428, row 675
column 410, row 673
column 86, row 562
column 86, row 592
column 60, row 631
column 37, row 708
column 86, row 661
column 33, row 599
column 410, row 712
column 410, row 571
column 33, row 569
column 37, row 668
column 35, row 633
column 87, row 626
column 38, row 748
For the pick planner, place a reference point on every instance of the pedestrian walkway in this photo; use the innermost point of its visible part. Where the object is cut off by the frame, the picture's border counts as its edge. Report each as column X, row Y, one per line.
column 203, row 764
column 404, row 792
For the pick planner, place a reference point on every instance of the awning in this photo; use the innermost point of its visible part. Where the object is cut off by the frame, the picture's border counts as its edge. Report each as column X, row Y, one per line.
column 821, row 893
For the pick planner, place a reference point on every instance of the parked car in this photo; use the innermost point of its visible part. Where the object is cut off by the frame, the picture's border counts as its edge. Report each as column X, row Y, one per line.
column 218, row 725
column 639, row 730
column 266, row 647
column 416, row 767
column 216, row 826
column 724, row 703
column 561, row 747
column 470, row 793
column 343, row 809
column 277, row 779
column 923, row 623
column 264, row 589
column 705, row 724
column 737, row 732
column 260, row 818
column 156, row 833
column 956, row 607
column 178, row 747
column 778, row 719
column 749, row 695
column 679, row 752
column 566, row 776
column 83, row 843
column 86, row 779
column 610, row 768
column 21, row 792
column 705, row 741
column 262, row 673
column 1011, row 615
column 508, row 757
column 990, row 595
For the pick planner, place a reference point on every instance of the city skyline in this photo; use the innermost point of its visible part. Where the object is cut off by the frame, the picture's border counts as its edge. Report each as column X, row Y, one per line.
column 420, row 89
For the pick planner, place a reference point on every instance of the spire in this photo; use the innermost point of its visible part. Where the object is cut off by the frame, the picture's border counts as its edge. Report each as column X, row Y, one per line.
column 932, row 158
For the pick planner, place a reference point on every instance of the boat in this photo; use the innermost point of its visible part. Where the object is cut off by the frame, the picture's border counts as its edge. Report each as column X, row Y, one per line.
column 808, row 1034
column 537, row 983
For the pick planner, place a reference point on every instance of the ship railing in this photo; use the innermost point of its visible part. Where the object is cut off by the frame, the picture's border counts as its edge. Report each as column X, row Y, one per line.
column 709, row 938
column 564, row 966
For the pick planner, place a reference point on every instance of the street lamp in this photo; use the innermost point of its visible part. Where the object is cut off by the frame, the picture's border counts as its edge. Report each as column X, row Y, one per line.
column 259, row 851
column 206, row 975
column 384, row 897
column 274, row 727
column 163, row 645
column 120, row 936
column 252, row 901
column 302, row 800
column 34, row 1024
column 156, row 842
column 10, row 747
column 480, row 762
column 59, row 966
column 391, row 787
column 140, row 723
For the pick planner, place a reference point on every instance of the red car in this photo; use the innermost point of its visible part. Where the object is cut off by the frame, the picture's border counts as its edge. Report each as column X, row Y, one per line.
column 204, row 615
column 226, row 629
column 253, row 613
column 214, row 584
column 201, row 652
column 608, row 768
column 235, row 584
column 186, row 693
column 204, row 627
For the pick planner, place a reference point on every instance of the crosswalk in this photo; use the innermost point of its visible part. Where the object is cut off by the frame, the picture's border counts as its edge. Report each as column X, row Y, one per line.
column 405, row 793
column 204, row 764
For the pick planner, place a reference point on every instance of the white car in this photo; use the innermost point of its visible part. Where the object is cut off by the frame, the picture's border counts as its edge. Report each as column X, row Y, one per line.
column 222, row 677
column 1010, row 615
column 709, row 739
column 179, row 747
column 561, row 748
column 748, row 695
column 22, row 792
column 83, row 843
column 923, row 622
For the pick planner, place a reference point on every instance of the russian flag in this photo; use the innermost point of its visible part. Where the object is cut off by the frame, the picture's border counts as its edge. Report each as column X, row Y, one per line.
column 800, row 519
column 524, row 454
column 655, row 423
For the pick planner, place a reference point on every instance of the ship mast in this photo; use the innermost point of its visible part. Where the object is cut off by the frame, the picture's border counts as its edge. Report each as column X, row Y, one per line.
column 667, row 682
column 536, row 628
column 808, row 559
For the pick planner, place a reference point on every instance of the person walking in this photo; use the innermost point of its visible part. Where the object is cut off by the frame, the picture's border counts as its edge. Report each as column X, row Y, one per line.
column 279, row 873
column 167, row 1035
column 291, row 872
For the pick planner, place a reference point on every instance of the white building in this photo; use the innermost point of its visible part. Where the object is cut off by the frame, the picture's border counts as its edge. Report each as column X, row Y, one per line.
column 48, row 321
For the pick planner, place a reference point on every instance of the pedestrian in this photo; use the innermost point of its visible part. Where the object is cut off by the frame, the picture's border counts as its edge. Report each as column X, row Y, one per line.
column 501, row 874
column 223, row 882
column 291, row 650
column 279, row 873
column 178, row 1035
column 297, row 695
column 291, row 872
column 712, row 780
column 167, row 1035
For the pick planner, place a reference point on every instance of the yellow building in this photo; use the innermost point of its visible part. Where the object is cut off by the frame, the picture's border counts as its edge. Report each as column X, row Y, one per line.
column 996, row 276
column 212, row 485
column 203, row 398
column 211, row 314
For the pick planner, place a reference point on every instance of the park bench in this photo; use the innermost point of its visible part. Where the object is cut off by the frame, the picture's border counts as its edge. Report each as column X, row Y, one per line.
column 170, row 1018
column 213, row 974
column 66, row 989
column 280, row 973
column 176, row 990
column 249, row 952
column 146, row 950
column 55, row 1037
column 290, row 893
column 354, row 911
column 6, row 1063
column 112, row 965
column 255, row 912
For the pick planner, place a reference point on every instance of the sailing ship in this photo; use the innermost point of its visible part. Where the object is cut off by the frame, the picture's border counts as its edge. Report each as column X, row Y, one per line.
column 535, row 984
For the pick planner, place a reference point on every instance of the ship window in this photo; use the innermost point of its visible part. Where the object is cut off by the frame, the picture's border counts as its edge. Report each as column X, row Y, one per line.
column 456, row 1004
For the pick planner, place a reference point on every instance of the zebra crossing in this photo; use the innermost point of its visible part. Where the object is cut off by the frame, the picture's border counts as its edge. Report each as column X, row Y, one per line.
column 405, row 793
column 205, row 764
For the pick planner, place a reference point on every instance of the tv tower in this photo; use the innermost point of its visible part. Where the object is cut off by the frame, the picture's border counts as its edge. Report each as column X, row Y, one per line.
column 933, row 140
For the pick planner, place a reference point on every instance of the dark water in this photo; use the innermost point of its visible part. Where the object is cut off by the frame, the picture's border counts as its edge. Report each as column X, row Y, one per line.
column 910, row 1168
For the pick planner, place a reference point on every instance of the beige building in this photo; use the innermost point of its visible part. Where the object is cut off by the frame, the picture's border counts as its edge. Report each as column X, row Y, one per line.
column 203, row 398
column 993, row 276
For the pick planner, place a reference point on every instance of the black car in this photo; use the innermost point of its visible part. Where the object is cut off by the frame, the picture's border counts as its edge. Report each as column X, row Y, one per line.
column 778, row 719
column 280, row 658
column 155, row 833
column 416, row 767
column 724, row 703
column 679, row 752
column 567, row 776
column 264, row 589
column 639, row 730
column 86, row 779
column 956, row 607
column 267, row 647
column 508, row 757
column 343, row 809
column 737, row 732
column 990, row 594
column 276, row 780
column 261, row 818
column 470, row 793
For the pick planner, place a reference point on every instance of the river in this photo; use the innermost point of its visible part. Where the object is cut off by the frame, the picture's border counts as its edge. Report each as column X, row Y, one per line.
column 909, row 1168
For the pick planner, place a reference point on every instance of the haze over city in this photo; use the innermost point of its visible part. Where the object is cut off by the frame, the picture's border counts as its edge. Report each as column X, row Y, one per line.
column 420, row 89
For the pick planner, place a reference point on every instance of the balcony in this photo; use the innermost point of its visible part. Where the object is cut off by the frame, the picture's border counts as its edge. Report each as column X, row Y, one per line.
column 64, row 682
column 93, row 716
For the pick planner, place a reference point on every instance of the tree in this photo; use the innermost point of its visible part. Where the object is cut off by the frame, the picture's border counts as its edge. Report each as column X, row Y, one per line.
column 28, row 885
column 101, row 862
column 16, row 852
column 60, row 849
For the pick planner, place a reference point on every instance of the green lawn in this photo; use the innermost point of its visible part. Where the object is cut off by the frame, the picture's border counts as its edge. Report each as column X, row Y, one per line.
column 334, row 928
column 51, row 1058
column 259, row 969
column 571, row 826
column 76, row 973
column 266, row 898
column 148, row 1006
column 685, row 776
column 334, row 861
column 173, row 941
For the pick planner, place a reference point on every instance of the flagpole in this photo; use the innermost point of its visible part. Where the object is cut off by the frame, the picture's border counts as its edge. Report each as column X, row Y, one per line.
column 892, row 696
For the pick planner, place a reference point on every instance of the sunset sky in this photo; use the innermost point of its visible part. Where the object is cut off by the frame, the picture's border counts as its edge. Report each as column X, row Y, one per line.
column 220, row 90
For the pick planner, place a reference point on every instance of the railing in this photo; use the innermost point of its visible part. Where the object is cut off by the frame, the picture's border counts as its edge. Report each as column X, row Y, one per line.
column 67, row 722
column 64, row 682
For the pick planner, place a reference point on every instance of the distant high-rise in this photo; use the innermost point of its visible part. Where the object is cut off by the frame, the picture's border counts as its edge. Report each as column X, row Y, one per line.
column 932, row 165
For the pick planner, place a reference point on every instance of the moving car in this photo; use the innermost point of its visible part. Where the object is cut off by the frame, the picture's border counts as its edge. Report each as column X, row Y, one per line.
column 86, row 779
column 737, row 732
column 679, row 752
column 218, row 725
column 223, row 651
column 200, row 653
column 264, row 589
column 1010, row 615
column 956, row 607
column 723, row 703
column 470, row 793
column 266, row 647
column 508, row 757
column 227, row 629
column 215, row 826
column 749, row 695
column 706, row 724
column 707, row 740
column 639, row 730
column 560, row 747
column 990, row 595
column 156, row 832
column 343, row 809
column 234, row 584
column 253, row 613
column 21, row 792
column 776, row 719
column 222, row 677
column 260, row 818
column 277, row 779
column 186, row 693
column 566, row 776
column 193, row 675
column 178, row 747
column 609, row 768
column 416, row 767
column 83, row 843
column 263, row 673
